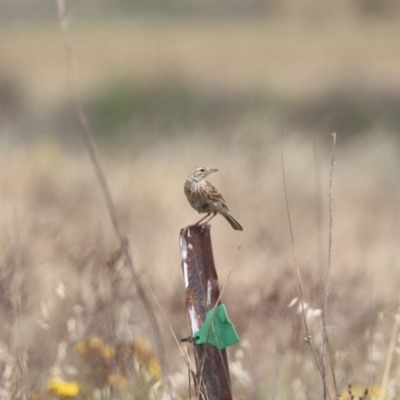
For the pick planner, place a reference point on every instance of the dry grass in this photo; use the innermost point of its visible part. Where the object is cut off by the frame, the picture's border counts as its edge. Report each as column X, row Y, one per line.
column 54, row 222
column 56, row 237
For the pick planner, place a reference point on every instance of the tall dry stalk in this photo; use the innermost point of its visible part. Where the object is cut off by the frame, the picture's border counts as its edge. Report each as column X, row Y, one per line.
column 328, row 272
column 94, row 157
column 308, row 337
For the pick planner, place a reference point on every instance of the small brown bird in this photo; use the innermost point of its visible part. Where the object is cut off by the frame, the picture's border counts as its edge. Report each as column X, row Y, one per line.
column 205, row 198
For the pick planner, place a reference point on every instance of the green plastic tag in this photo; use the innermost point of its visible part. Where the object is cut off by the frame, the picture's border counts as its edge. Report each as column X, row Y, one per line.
column 220, row 332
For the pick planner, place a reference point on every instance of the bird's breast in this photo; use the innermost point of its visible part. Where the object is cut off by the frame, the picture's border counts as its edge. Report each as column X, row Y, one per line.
column 193, row 189
column 195, row 193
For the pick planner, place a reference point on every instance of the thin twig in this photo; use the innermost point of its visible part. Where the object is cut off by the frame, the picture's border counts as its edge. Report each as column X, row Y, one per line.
column 318, row 207
column 328, row 272
column 229, row 274
column 82, row 120
column 308, row 337
column 166, row 319
column 332, row 367
column 17, row 344
column 278, row 357
column 371, row 328
column 91, row 148
column 389, row 359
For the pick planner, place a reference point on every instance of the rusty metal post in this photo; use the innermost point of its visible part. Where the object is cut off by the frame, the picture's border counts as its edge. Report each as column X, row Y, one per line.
column 202, row 291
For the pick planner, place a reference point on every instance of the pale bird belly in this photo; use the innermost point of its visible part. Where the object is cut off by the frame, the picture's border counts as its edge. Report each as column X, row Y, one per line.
column 199, row 200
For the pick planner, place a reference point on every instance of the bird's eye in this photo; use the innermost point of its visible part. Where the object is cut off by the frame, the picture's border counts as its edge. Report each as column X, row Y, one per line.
column 202, row 170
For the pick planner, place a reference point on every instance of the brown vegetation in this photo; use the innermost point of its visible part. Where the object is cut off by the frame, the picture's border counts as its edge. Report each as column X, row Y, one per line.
column 59, row 294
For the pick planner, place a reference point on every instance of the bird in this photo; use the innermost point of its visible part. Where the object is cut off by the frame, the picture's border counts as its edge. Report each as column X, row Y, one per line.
column 205, row 198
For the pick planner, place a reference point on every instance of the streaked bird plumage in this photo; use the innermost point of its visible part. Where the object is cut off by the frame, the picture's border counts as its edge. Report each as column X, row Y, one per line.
column 205, row 198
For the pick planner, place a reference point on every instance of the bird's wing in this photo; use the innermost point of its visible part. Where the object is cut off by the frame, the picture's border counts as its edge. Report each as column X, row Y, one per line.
column 215, row 195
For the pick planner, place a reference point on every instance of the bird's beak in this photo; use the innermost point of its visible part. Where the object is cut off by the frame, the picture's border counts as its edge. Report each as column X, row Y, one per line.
column 212, row 170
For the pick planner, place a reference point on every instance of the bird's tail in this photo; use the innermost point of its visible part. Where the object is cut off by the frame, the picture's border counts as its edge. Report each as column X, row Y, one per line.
column 234, row 224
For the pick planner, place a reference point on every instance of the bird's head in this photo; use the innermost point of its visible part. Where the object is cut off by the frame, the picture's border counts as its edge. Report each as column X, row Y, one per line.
column 199, row 173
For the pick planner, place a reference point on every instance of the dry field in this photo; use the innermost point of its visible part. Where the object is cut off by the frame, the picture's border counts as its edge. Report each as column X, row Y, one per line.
column 69, row 313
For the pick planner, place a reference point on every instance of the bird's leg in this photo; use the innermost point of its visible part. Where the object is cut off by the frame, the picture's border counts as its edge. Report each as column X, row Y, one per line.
column 209, row 219
column 198, row 222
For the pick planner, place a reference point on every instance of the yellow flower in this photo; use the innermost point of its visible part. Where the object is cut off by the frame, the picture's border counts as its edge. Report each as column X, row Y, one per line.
column 154, row 368
column 62, row 388
column 358, row 391
column 117, row 381
column 80, row 348
column 143, row 350
column 108, row 352
column 95, row 342
column 374, row 393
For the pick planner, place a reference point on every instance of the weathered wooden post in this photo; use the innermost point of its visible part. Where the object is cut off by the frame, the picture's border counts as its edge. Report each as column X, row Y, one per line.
column 212, row 381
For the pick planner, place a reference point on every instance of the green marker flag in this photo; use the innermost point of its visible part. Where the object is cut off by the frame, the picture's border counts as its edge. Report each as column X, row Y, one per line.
column 221, row 333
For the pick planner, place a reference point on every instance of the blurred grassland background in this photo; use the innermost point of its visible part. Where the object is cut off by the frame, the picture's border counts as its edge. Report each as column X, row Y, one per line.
column 168, row 86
